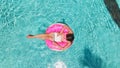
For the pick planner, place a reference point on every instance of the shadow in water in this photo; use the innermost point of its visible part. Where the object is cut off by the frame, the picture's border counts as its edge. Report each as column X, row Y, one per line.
column 90, row 60
column 62, row 22
column 114, row 10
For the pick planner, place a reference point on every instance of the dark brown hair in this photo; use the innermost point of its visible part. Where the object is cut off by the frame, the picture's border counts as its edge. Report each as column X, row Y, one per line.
column 70, row 37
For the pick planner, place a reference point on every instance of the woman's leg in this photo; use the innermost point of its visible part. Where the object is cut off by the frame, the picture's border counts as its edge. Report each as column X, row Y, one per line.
column 41, row 36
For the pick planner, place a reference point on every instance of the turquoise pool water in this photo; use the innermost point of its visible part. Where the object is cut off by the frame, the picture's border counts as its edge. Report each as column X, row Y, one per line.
column 118, row 1
column 97, row 37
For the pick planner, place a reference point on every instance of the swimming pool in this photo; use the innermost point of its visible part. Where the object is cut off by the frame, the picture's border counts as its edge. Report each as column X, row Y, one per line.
column 97, row 37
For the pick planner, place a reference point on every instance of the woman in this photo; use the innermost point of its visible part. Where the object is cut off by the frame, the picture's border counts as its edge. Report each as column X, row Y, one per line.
column 57, row 37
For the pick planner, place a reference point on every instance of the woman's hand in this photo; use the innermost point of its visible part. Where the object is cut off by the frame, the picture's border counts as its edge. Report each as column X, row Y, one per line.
column 66, row 27
column 56, row 44
column 62, row 30
column 62, row 48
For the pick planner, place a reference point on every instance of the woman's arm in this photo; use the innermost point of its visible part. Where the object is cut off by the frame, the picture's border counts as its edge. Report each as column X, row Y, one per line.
column 62, row 30
column 56, row 44
column 63, row 48
column 67, row 45
column 67, row 27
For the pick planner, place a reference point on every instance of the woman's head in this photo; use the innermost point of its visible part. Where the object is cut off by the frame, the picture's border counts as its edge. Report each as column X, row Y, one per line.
column 70, row 37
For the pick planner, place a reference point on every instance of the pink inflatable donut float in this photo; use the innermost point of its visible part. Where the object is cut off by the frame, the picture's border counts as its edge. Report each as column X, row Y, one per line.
column 55, row 28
